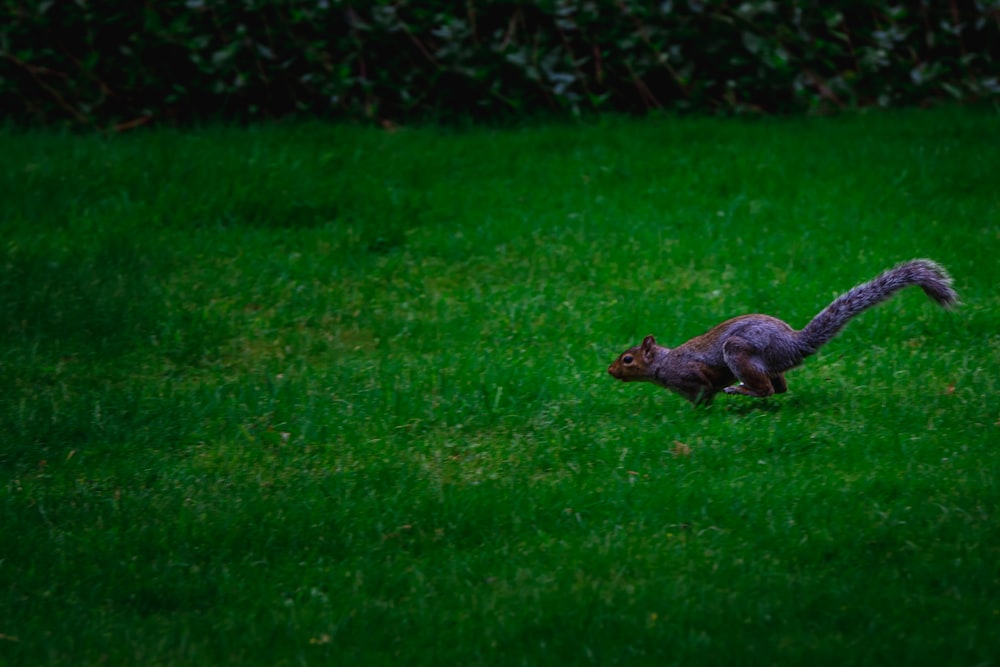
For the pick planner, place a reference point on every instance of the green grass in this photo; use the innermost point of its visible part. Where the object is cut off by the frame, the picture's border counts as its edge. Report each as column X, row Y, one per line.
column 315, row 394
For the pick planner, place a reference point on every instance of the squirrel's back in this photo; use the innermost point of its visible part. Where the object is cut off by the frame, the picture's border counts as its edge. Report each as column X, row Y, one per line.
column 929, row 276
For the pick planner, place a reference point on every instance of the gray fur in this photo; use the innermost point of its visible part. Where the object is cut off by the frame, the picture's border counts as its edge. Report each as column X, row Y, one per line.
column 756, row 350
column 930, row 276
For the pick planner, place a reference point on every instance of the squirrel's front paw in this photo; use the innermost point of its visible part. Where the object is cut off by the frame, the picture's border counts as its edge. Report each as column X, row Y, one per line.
column 734, row 389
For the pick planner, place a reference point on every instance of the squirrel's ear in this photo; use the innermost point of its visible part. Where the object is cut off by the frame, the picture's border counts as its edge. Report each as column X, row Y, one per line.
column 648, row 343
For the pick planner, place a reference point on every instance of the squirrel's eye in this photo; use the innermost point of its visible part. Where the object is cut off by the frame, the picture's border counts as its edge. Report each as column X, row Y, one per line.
column 627, row 359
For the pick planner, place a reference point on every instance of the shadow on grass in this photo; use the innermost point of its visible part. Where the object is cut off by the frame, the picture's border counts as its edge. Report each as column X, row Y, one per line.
column 76, row 312
column 96, row 299
column 74, row 299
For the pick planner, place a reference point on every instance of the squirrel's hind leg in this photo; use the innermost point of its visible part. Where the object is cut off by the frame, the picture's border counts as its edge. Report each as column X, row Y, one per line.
column 779, row 383
column 740, row 355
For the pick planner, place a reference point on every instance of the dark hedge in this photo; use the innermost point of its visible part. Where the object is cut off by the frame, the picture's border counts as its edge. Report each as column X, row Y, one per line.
column 112, row 62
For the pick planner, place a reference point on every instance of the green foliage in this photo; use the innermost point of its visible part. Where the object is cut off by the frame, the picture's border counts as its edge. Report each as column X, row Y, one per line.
column 322, row 394
column 108, row 61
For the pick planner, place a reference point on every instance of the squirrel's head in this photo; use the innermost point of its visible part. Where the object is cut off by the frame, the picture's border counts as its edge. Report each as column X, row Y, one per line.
column 633, row 365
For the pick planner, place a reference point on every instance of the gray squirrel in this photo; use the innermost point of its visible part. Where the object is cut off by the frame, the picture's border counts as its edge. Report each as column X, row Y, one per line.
column 757, row 349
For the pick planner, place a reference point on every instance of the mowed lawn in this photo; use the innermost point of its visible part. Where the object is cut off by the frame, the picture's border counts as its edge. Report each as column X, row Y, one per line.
column 308, row 394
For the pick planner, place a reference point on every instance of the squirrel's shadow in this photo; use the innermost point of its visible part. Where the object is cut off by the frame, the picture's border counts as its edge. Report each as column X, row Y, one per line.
column 758, row 405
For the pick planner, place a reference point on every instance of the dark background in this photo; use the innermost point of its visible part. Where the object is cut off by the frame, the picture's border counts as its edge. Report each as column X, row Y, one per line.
column 120, row 63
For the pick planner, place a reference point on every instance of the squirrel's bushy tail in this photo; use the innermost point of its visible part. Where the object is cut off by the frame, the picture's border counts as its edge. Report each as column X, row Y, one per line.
column 930, row 276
